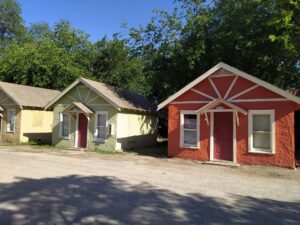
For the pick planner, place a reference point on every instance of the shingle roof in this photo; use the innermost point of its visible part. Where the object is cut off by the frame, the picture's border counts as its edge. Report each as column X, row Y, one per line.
column 28, row 96
column 118, row 97
column 121, row 97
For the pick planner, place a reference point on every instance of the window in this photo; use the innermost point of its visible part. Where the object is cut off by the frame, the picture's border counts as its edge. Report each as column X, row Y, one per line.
column 11, row 116
column 101, row 126
column 189, row 129
column 65, row 125
column 261, row 131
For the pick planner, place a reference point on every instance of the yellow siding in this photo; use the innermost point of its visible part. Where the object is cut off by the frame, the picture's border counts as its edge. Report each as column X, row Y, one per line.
column 135, row 128
column 134, row 124
column 35, row 122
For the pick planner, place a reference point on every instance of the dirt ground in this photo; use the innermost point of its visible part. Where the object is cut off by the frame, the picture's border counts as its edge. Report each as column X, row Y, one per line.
column 39, row 186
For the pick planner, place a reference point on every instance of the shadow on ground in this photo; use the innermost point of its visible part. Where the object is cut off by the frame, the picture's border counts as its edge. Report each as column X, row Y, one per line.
column 108, row 200
column 158, row 151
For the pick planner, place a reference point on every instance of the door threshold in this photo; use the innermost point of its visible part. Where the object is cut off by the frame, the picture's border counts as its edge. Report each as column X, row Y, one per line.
column 221, row 163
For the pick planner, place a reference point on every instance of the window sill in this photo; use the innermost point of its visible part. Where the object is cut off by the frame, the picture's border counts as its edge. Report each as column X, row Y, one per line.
column 65, row 138
column 190, row 147
column 261, row 152
column 10, row 132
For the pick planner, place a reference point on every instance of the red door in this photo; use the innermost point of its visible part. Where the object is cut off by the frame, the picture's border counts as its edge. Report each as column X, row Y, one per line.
column 223, row 135
column 82, row 130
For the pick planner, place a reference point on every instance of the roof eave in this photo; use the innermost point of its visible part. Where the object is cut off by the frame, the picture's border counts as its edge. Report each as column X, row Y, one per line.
column 262, row 83
column 61, row 94
column 17, row 103
column 188, row 86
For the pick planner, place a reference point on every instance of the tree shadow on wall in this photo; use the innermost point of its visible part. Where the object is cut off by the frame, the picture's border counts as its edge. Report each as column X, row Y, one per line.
column 108, row 200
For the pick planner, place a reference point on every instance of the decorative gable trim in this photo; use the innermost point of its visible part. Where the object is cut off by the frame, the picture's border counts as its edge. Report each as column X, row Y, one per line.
column 219, row 101
column 72, row 86
column 237, row 72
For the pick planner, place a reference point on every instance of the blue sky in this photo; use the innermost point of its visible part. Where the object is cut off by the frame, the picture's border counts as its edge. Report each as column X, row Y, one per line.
column 95, row 17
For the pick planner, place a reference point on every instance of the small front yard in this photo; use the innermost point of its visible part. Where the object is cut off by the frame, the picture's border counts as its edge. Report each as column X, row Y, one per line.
column 42, row 186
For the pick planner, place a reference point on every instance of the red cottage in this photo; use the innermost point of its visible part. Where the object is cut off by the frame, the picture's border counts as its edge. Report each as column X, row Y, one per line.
column 230, row 116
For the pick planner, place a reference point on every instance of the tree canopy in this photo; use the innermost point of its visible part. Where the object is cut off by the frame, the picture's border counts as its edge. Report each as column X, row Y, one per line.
column 261, row 37
column 11, row 22
column 257, row 36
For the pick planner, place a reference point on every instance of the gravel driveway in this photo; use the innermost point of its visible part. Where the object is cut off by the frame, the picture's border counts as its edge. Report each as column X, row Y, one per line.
column 68, row 187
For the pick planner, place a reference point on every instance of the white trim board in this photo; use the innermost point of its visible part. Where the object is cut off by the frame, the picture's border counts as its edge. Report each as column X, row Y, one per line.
column 190, row 102
column 233, row 70
column 211, row 137
column 214, row 87
column 203, row 94
column 235, row 121
column 216, row 102
column 260, row 100
column 244, row 92
column 76, row 130
column 233, row 101
column 231, row 86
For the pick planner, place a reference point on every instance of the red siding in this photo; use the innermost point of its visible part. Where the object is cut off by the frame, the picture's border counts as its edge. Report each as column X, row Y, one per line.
column 284, row 136
column 174, row 135
column 223, row 83
column 260, row 92
column 206, row 87
column 191, row 95
column 284, row 125
column 240, row 85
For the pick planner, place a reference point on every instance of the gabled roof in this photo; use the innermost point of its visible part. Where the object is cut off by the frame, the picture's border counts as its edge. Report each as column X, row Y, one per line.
column 233, row 70
column 118, row 97
column 80, row 106
column 28, row 96
column 219, row 101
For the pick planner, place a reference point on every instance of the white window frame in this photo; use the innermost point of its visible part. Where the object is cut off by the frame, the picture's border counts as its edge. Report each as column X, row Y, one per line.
column 7, row 121
column 95, row 126
column 61, row 125
column 182, row 144
column 251, row 113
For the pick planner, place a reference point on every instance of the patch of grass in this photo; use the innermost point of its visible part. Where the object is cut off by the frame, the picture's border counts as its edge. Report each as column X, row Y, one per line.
column 47, row 147
column 9, row 144
column 36, row 145
column 107, row 152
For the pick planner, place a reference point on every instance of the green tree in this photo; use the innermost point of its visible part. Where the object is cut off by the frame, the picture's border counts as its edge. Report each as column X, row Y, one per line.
column 40, row 64
column 55, row 57
column 37, row 31
column 257, row 36
column 11, row 22
column 113, row 64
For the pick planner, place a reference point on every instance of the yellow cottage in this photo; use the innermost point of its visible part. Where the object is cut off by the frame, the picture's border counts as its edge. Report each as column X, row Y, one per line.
column 22, row 115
